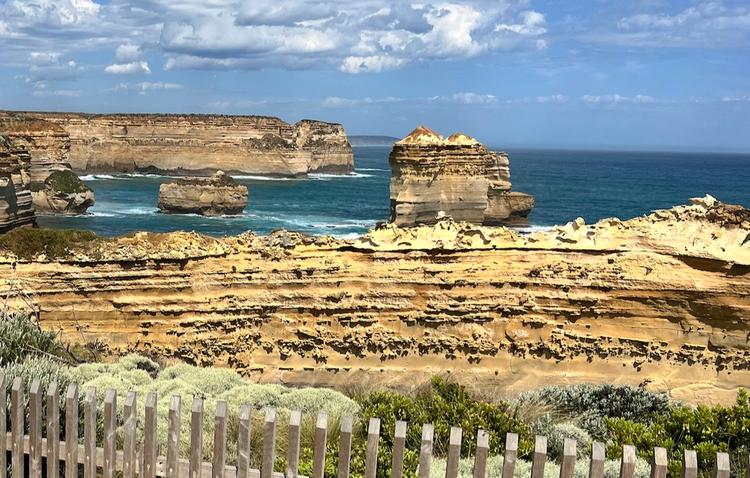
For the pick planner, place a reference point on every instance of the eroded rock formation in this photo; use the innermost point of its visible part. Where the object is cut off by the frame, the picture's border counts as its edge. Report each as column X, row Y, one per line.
column 457, row 176
column 202, row 144
column 62, row 192
column 661, row 300
column 16, row 209
column 214, row 196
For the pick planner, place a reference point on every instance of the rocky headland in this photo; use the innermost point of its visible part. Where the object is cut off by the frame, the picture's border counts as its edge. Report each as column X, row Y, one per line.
column 201, row 144
column 456, row 176
column 661, row 300
column 213, row 196
column 16, row 209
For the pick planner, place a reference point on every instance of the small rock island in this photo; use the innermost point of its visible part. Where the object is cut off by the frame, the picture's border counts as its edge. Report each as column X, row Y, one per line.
column 217, row 195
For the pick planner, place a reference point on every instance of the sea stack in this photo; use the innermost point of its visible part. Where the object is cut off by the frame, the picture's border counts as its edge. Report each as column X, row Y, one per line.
column 432, row 177
column 213, row 196
column 16, row 209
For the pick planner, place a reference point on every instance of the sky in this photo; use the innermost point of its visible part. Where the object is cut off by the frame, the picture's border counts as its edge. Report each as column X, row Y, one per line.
column 641, row 74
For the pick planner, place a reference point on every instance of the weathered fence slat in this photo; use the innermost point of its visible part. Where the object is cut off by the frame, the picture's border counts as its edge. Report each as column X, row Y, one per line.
column 399, row 443
column 150, row 451
column 511, row 454
column 173, row 436
column 721, row 465
column 539, row 459
column 71, row 431
column 196, row 438
column 89, row 433
column 454, row 452
column 35, row 429
column 660, row 463
column 220, row 440
column 627, row 464
column 371, row 456
column 243, row 443
column 690, row 464
column 130, row 421
column 319, row 445
column 345, row 446
column 53, row 431
column 425, row 451
column 480, row 456
column 3, row 428
column 568, row 464
column 16, row 427
column 598, row 457
column 269, row 444
column 293, row 444
column 110, row 431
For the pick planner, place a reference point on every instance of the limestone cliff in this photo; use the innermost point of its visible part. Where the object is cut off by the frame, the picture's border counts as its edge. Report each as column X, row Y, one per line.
column 16, row 209
column 202, row 144
column 457, row 176
column 661, row 300
column 214, row 196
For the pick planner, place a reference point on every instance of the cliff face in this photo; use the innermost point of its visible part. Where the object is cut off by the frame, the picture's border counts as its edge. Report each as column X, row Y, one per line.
column 16, row 209
column 202, row 144
column 661, row 300
column 213, row 196
column 433, row 176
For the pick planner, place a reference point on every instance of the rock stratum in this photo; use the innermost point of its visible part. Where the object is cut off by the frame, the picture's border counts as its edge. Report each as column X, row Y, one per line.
column 16, row 209
column 661, row 300
column 214, row 196
column 432, row 176
column 201, row 144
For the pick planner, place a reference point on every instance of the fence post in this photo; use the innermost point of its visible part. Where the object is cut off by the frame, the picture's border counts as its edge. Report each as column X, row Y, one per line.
column 110, row 432
column 173, row 436
column 425, row 451
column 292, row 447
column 373, row 437
column 53, row 431
column 319, row 447
column 220, row 440
column 690, row 464
column 71, row 431
column 345, row 446
column 721, row 465
column 480, row 456
column 540, row 457
column 269, row 444
column 454, row 453
column 598, row 457
column 660, row 463
column 130, row 420
column 511, row 453
column 17, row 427
column 150, row 451
column 243, row 443
column 3, row 428
column 196, row 438
column 89, row 434
column 35, row 429
column 568, row 464
column 399, row 443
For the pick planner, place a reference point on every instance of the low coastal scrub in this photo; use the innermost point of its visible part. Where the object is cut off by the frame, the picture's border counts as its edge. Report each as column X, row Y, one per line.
column 28, row 243
column 615, row 415
column 66, row 182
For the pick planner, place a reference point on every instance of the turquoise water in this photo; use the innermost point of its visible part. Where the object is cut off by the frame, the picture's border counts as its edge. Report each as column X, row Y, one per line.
column 566, row 184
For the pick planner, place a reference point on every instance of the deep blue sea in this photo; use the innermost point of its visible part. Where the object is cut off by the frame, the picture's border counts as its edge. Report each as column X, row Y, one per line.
column 566, row 184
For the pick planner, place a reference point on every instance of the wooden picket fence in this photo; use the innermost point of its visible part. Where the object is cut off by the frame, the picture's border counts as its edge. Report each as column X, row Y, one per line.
column 107, row 461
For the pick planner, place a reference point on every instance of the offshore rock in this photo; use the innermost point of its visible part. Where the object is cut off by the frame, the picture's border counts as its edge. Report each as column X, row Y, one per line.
column 432, row 176
column 62, row 193
column 202, row 144
column 16, row 209
column 661, row 300
column 214, row 196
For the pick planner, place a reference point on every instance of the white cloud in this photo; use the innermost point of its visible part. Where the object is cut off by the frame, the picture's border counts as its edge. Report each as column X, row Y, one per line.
column 618, row 99
column 127, row 52
column 533, row 24
column 467, row 98
column 145, row 86
column 370, row 64
column 131, row 68
column 63, row 93
column 339, row 102
column 49, row 66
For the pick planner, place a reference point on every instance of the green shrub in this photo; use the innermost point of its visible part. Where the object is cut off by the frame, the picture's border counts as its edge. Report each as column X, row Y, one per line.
column 66, row 181
column 28, row 243
column 21, row 337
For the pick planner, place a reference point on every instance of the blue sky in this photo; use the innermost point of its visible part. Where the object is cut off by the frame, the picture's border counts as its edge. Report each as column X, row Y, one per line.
column 643, row 74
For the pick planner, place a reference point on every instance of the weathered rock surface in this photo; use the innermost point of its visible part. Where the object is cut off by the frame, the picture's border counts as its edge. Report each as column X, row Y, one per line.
column 214, row 196
column 16, row 209
column 202, row 144
column 661, row 300
column 432, row 176
column 55, row 189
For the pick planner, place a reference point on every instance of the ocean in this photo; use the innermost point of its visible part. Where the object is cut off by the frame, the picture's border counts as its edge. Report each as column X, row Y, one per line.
column 566, row 185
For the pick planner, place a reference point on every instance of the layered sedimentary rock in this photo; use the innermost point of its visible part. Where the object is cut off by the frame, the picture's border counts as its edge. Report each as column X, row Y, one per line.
column 202, row 144
column 214, row 196
column 661, row 300
column 55, row 188
column 456, row 176
column 16, row 209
